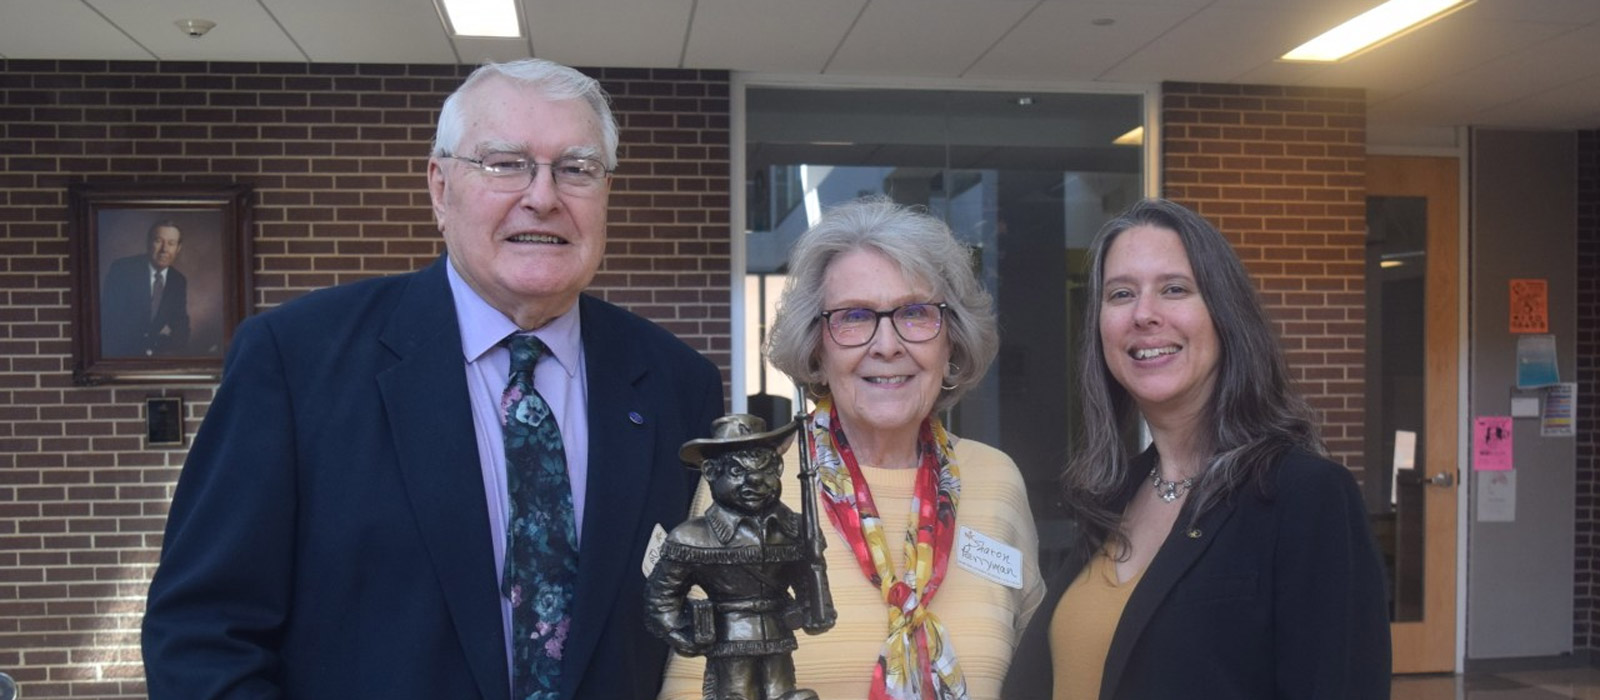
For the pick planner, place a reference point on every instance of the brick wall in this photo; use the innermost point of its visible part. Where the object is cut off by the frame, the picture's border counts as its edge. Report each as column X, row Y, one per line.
column 1586, row 606
column 1281, row 171
column 337, row 156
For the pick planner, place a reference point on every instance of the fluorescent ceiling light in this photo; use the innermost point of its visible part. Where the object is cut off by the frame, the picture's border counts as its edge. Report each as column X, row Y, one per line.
column 1134, row 137
column 483, row 17
column 1387, row 21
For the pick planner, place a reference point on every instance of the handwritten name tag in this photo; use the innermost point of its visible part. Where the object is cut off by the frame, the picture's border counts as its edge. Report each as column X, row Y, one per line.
column 652, row 551
column 988, row 557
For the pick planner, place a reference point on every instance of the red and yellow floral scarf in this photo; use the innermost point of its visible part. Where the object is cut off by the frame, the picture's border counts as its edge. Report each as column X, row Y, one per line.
column 917, row 661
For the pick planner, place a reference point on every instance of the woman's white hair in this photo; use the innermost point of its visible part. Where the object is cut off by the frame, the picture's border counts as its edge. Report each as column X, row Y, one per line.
column 926, row 252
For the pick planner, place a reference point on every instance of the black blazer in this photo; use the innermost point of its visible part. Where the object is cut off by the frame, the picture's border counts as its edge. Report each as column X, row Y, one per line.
column 1275, row 597
column 329, row 536
column 127, row 328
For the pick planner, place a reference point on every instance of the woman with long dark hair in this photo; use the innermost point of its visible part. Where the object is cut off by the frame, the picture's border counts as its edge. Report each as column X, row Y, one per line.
column 1230, row 558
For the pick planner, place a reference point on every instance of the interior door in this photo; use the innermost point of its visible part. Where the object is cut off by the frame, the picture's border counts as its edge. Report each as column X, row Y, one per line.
column 1413, row 379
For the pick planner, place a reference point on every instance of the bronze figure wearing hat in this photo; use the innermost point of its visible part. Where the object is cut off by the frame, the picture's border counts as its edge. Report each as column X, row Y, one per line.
column 748, row 551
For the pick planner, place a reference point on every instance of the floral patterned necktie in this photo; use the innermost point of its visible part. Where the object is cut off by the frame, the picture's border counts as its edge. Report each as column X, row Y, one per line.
column 541, row 540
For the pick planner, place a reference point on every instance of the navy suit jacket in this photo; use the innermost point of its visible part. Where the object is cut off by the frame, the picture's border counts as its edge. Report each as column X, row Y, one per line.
column 1276, row 597
column 329, row 536
column 127, row 328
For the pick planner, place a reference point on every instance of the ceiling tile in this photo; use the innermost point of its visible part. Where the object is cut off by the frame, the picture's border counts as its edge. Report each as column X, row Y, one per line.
column 1548, row 64
column 1192, row 51
column 1558, row 11
column 365, row 31
column 636, row 33
column 924, row 37
column 1059, row 40
column 1435, row 52
column 244, row 31
column 768, row 35
column 63, row 30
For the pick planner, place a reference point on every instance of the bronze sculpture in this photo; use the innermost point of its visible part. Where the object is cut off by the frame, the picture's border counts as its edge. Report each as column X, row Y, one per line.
column 746, row 552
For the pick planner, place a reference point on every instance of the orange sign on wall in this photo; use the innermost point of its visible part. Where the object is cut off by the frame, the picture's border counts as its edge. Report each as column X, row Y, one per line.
column 1530, row 306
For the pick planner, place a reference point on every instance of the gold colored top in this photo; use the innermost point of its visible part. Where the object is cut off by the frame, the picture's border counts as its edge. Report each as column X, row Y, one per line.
column 1082, row 627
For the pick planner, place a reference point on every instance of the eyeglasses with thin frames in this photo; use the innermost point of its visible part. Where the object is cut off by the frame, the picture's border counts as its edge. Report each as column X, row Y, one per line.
column 914, row 323
column 514, row 172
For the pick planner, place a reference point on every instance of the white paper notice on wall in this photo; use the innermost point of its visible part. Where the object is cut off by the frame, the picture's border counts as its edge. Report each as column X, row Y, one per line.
column 1497, row 497
column 1405, row 457
column 1524, row 407
column 1559, row 402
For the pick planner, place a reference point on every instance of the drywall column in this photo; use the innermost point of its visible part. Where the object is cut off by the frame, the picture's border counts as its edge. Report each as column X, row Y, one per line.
column 1520, row 573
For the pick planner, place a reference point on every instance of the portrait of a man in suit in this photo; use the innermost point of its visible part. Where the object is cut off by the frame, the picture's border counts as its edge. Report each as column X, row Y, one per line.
column 144, row 299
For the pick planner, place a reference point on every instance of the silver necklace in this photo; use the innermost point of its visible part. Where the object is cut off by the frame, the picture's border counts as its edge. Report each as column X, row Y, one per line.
column 1169, row 491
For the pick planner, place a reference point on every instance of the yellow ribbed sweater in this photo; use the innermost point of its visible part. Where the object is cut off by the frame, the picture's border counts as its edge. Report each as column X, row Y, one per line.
column 984, row 619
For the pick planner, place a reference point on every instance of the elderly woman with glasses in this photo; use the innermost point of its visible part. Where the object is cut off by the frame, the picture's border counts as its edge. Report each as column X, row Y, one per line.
column 931, row 551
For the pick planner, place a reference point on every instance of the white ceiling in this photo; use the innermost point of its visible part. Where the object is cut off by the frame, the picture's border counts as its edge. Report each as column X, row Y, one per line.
column 1507, row 63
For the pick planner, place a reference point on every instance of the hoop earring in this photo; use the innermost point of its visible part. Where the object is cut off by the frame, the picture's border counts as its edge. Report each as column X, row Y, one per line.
column 950, row 369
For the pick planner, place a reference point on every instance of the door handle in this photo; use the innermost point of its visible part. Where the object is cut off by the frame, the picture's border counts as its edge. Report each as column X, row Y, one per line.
column 1442, row 479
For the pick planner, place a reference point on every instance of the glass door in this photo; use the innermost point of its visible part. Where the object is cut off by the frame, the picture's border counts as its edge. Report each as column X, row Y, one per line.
column 1024, row 179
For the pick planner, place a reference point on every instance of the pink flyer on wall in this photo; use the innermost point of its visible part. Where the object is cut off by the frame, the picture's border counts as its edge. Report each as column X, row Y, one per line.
column 1491, row 444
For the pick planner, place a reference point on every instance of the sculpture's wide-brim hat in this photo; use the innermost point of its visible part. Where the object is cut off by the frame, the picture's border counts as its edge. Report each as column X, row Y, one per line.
column 737, row 431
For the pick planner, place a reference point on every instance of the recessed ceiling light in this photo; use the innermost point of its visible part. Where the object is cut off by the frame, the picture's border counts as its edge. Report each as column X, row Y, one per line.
column 1025, row 101
column 497, row 18
column 1134, row 137
column 1373, row 27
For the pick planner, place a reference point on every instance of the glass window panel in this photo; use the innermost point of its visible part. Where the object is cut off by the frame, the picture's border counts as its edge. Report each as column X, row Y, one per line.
column 1025, row 180
column 1396, row 286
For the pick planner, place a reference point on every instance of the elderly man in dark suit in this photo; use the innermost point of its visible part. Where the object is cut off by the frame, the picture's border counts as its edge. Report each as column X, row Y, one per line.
column 443, row 484
column 144, row 302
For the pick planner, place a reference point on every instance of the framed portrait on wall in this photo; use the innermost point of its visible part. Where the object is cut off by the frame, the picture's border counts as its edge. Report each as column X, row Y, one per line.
column 161, row 277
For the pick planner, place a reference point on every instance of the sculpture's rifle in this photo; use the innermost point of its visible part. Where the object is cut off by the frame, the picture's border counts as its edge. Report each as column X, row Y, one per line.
column 819, row 603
